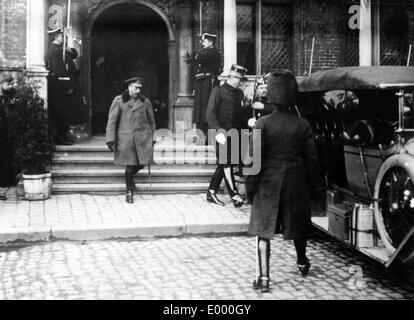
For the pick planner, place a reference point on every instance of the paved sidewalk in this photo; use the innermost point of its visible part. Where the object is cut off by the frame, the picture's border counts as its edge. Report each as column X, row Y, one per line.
column 96, row 217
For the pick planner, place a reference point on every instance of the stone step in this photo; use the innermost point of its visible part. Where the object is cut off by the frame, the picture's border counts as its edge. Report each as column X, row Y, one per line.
column 105, row 154
column 110, row 166
column 117, row 176
column 88, row 151
column 142, row 188
column 104, row 148
column 202, row 160
column 87, row 167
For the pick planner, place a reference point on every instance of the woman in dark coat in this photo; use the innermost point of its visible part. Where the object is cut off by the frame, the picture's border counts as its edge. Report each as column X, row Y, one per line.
column 130, row 131
column 281, row 192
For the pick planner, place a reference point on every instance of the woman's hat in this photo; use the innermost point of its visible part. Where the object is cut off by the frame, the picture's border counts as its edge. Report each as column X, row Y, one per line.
column 135, row 80
column 282, row 88
column 238, row 72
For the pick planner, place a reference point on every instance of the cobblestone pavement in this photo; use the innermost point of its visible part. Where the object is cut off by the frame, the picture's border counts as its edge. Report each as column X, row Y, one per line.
column 97, row 217
column 187, row 268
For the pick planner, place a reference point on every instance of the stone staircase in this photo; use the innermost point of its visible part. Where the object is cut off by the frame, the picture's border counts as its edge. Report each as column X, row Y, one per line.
column 87, row 167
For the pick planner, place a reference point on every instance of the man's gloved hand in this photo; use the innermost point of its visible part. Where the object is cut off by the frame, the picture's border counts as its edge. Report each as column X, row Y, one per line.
column 221, row 138
column 252, row 122
column 111, row 145
column 258, row 105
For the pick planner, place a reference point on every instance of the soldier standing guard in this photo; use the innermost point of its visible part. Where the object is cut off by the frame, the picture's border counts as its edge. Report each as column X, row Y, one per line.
column 65, row 99
column 8, row 114
column 130, row 131
column 208, row 67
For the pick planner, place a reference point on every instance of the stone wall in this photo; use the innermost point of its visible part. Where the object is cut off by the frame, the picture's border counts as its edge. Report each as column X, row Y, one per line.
column 324, row 21
column 12, row 35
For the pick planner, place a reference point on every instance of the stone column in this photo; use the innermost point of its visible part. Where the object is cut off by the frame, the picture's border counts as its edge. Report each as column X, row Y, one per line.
column 183, row 107
column 365, row 34
column 35, row 45
column 230, row 34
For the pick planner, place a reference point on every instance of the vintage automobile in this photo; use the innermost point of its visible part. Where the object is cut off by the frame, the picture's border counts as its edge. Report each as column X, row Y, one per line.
column 363, row 121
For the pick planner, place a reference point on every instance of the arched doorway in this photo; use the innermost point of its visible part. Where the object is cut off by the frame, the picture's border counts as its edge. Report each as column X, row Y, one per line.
column 127, row 40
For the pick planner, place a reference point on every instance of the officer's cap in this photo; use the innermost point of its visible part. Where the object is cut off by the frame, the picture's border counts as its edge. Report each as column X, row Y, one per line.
column 53, row 33
column 135, row 80
column 209, row 36
column 238, row 72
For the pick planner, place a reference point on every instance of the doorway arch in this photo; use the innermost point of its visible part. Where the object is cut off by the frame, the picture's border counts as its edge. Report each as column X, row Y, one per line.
column 135, row 18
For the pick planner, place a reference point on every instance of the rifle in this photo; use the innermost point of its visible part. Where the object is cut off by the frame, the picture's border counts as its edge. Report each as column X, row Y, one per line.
column 66, row 31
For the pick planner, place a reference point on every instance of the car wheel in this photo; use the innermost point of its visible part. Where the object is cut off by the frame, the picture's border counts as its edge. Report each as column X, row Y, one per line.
column 394, row 210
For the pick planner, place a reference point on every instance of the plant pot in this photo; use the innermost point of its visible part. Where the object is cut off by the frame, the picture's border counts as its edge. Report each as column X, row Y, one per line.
column 37, row 186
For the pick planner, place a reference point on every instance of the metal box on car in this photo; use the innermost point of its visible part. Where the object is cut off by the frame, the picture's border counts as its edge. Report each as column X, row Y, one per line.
column 338, row 220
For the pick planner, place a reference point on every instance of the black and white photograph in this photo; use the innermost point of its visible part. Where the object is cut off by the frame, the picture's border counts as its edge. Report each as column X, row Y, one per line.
column 207, row 155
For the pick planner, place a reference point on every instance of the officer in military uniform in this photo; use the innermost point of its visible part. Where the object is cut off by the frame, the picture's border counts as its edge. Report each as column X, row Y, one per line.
column 8, row 113
column 260, row 105
column 208, row 67
column 226, row 111
column 65, row 99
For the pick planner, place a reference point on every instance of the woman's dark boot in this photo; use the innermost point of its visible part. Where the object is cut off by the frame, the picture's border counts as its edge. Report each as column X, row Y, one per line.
column 304, row 268
column 302, row 261
column 262, row 282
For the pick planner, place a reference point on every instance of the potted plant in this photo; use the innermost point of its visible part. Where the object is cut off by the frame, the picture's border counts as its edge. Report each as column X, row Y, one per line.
column 33, row 144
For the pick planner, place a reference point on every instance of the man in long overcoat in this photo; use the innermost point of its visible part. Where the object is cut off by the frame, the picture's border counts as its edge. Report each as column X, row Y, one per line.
column 130, row 131
column 208, row 67
column 281, row 192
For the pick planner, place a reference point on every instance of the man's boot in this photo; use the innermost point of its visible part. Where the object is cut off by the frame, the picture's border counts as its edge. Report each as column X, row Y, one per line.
column 129, row 179
column 130, row 197
column 212, row 197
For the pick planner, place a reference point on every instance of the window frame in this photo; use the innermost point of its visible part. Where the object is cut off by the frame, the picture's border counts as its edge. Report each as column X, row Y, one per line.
column 258, row 25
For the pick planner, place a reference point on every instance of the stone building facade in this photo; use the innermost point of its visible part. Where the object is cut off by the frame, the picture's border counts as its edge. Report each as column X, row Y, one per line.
column 264, row 35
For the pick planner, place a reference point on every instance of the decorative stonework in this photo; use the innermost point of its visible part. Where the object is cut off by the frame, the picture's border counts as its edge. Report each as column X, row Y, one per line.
column 167, row 6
